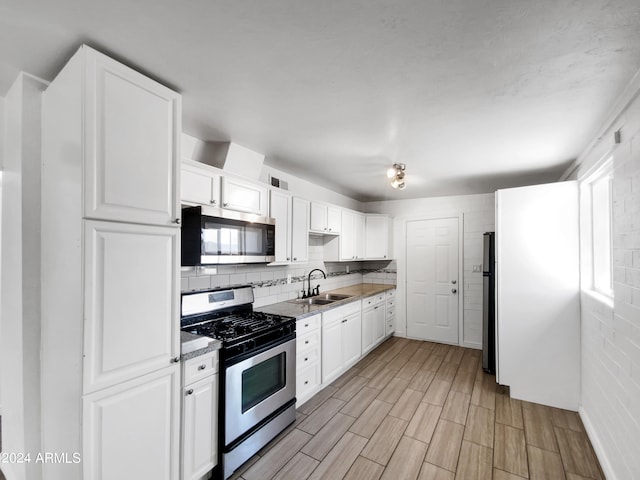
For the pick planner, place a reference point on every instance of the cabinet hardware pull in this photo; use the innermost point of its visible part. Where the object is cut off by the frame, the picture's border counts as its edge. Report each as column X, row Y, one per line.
column 306, row 382
column 225, row 204
column 176, row 221
column 190, row 391
column 213, row 202
column 202, row 367
column 306, row 342
column 344, row 321
column 306, row 325
column 175, row 359
column 288, row 258
column 295, row 258
column 453, row 281
column 306, row 359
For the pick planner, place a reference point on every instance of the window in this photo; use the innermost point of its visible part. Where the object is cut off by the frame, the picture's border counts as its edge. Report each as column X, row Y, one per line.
column 599, row 192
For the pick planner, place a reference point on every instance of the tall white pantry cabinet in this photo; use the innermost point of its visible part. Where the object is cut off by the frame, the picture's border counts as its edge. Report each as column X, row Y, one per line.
column 110, row 230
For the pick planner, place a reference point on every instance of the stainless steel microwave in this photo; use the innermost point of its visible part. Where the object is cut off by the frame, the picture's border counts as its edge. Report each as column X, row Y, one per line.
column 214, row 236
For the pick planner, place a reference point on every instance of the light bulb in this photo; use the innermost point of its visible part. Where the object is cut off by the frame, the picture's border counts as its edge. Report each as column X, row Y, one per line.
column 391, row 172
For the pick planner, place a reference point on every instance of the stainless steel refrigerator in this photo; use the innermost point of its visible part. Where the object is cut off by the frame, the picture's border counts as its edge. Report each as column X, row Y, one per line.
column 489, row 304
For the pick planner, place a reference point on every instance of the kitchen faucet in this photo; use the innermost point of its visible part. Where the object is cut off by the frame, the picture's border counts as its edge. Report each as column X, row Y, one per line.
column 315, row 291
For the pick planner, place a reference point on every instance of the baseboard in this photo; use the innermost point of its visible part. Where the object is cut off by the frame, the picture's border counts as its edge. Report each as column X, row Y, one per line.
column 597, row 445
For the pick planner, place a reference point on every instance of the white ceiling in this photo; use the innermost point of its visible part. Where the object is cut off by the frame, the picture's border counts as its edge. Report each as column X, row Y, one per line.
column 472, row 95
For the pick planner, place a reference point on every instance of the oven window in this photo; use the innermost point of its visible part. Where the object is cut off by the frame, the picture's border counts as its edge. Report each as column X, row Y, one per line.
column 263, row 380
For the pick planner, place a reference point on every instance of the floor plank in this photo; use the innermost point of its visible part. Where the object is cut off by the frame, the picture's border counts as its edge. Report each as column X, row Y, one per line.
column 298, row 468
column 364, row 469
column 382, row 443
column 339, row 460
column 406, row 461
column 577, row 454
column 445, row 445
column 456, row 407
column 423, row 423
column 480, row 426
column 510, row 452
column 399, row 422
column 544, row 465
column 475, row 462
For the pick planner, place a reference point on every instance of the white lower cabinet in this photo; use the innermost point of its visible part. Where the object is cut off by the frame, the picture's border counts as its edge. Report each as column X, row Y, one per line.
column 131, row 430
column 373, row 322
column 341, row 340
column 308, row 349
column 199, row 416
column 390, row 312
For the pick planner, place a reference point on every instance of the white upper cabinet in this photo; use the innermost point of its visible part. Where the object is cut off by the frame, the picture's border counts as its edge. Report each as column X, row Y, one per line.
column 376, row 237
column 131, row 144
column 131, row 302
column 199, row 186
column 280, row 206
column 325, row 218
column 352, row 236
column 244, row 196
column 300, row 230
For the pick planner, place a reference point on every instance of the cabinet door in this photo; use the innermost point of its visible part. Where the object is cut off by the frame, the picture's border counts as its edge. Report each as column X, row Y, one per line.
column 280, row 209
column 378, row 321
column 300, row 230
column 334, row 218
column 376, row 237
column 199, row 187
column 351, row 339
column 132, row 144
column 332, row 361
column 199, row 428
column 358, row 236
column 244, row 196
column 347, row 236
column 131, row 301
column 132, row 430
column 367, row 330
column 318, row 221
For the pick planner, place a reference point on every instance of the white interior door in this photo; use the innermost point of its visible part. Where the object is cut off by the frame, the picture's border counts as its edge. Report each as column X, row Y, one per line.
column 432, row 279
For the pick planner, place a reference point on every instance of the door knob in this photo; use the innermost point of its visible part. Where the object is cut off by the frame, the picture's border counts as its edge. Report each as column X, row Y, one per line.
column 453, row 290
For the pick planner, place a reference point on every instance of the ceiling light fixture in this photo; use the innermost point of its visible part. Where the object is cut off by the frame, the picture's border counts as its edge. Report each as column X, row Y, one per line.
column 396, row 175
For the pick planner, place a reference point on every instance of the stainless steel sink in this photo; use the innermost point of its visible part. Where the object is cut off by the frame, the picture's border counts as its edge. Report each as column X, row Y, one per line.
column 311, row 301
column 334, row 296
column 323, row 299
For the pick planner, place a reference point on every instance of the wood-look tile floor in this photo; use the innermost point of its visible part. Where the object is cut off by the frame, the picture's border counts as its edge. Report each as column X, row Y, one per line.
column 421, row 410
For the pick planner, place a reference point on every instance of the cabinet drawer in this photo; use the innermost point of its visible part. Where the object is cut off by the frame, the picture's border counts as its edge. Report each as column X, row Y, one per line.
column 200, row 367
column 307, row 379
column 308, row 324
column 391, row 303
column 391, row 293
column 391, row 312
column 304, row 359
column 341, row 312
column 308, row 341
column 374, row 300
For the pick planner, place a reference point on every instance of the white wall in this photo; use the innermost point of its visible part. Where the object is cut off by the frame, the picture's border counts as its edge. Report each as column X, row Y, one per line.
column 610, row 397
column 478, row 213
column 20, row 280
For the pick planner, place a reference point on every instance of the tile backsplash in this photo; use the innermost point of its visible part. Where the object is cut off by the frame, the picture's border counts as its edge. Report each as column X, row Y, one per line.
column 270, row 282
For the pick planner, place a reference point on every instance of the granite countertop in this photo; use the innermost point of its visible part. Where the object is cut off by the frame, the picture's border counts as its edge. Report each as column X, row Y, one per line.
column 356, row 292
column 195, row 345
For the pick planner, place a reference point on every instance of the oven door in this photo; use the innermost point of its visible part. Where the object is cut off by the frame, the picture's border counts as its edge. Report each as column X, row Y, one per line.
column 257, row 387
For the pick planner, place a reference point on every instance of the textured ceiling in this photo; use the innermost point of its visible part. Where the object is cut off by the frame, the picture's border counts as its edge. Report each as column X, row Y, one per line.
column 472, row 95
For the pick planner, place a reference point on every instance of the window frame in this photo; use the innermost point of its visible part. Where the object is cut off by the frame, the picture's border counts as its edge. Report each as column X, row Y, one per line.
column 603, row 174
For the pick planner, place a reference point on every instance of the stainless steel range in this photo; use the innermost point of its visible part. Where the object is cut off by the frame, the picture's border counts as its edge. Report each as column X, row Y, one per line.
column 258, row 368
